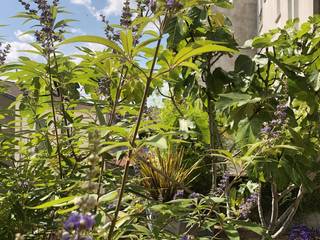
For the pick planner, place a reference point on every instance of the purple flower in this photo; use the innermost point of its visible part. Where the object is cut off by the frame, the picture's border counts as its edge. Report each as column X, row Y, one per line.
column 194, row 195
column 222, row 185
column 300, row 232
column 73, row 221
column 184, row 237
column 179, row 194
column 87, row 221
column 272, row 129
column 77, row 220
column 170, row 3
column 66, row 236
column 246, row 207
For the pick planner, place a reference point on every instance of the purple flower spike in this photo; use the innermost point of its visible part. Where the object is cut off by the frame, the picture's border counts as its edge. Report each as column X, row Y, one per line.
column 300, row 232
column 246, row 207
column 87, row 221
column 73, row 221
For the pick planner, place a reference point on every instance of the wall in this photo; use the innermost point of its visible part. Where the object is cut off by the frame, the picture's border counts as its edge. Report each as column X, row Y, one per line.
column 244, row 25
column 275, row 13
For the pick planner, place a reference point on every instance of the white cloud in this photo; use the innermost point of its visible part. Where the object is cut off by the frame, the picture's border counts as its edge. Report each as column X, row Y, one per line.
column 95, row 46
column 23, row 37
column 88, row 4
column 112, row 7
column 15, row 51
column 76, row 31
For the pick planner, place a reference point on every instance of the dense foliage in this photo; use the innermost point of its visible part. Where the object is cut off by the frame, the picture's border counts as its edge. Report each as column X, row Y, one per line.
column 83, row 157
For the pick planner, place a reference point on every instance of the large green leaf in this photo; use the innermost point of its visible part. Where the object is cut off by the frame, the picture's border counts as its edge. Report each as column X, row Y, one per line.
column 188, row 52
column 93, row 39
column 127, row 41
column 250, row 226
column 54, row 203
column 174, row 29
column 244, row 64
column 234, row 99
column 231, row 232
column 158, row 141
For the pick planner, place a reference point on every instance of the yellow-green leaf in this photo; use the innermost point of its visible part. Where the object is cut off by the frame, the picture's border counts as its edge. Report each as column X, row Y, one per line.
column 93, row 39
column 53, row 203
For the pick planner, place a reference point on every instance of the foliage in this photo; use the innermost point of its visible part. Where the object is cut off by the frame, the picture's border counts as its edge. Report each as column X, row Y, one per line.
column 70, row 140
column 169, row 163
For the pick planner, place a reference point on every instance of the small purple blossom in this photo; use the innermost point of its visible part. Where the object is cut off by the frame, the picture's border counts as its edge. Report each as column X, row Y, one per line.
column 300, row 232
column 194, row 195
column 222, row 185
column 73, row 221
column 272, row 129
column 66, row 236
column 78, row 220
column 170, row 3
column 179, row 194
column 87, row 221
column 246, row 207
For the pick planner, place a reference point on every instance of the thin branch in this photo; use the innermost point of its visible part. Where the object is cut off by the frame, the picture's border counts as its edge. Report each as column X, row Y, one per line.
column 260, row 209
column 54, row 117
column 134, row 136
column 291, row 214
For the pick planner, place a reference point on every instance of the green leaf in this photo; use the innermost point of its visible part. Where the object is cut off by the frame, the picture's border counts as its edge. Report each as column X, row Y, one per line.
column 234, row 99
column 174, row 29
column 188, row 52
column 157, row 141
column 63, row 22
column 93, row 39
column 100, row 115
column 250, row 226
column 231, row 232
column 127, row 41
column 314, row 79
column 113, row 146
column 64, row 211
column 244, row 64
column 53, row 203
column 109, row 197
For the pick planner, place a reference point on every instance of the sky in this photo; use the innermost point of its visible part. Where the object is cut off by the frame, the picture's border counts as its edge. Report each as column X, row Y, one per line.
column 86, row 12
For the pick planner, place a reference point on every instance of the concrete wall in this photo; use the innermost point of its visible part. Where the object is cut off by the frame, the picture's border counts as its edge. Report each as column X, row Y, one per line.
column 244, row 25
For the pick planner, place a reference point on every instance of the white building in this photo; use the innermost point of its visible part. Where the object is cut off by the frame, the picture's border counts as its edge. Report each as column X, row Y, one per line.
column 275, row 13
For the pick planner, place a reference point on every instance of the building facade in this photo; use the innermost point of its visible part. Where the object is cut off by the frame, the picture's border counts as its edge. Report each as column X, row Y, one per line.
column 275, row 13
column 251, row 18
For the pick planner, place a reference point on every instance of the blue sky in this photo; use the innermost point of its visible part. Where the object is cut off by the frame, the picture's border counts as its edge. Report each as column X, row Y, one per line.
column 86, row 12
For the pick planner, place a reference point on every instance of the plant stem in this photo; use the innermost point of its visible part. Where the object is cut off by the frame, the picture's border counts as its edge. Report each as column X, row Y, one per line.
column 292, row 212
column 275, row 206
column 260, row 209
column 112, row 115
column 126, row 169
column 54, row 116
column 212, row 145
